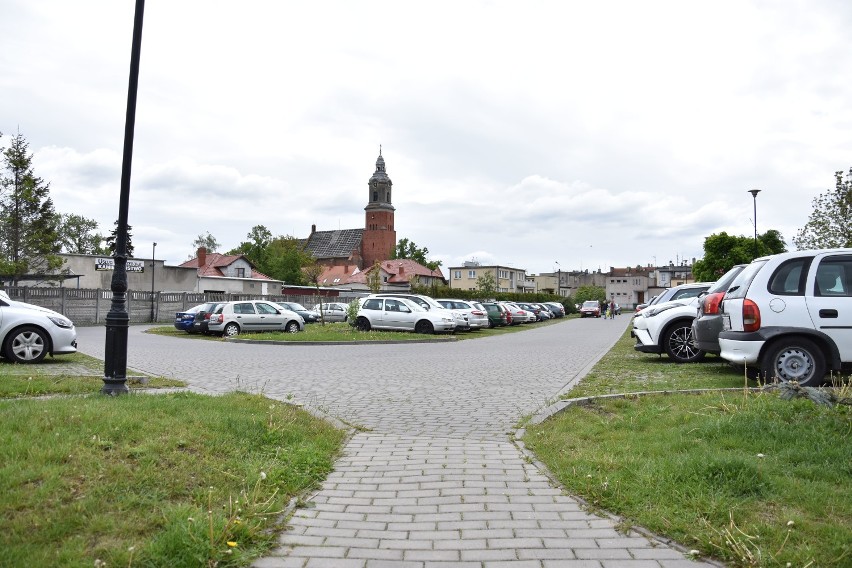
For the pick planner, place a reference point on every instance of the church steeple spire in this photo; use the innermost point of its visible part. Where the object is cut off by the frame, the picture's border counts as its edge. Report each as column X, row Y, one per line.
column 379, row 240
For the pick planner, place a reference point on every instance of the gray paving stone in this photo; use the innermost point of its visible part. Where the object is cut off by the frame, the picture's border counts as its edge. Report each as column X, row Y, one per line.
column 433, row 480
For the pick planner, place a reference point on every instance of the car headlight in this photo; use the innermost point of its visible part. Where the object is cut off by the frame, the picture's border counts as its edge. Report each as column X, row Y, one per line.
column 655, row 311
column 61, row 322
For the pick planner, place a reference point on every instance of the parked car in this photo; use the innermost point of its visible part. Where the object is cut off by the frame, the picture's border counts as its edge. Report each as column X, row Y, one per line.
column 400, row 314
column 201, row 323
column 519, row 315
column 429, row 304
column 590, row 309
column 310, row 316
column 789, row 316
column 333, row 311
column 497, row 314
column 474, row 311
column 681, row 292
column 28, row 333
column 233, row 318
column 708, row 322
column 667, row 328
column 557, row 309
column 185, row 319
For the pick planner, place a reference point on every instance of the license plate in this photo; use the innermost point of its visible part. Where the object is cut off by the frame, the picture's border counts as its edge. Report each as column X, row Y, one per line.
column 726, row 322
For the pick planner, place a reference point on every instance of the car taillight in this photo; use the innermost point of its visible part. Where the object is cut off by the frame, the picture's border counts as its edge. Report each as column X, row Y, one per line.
column 751, row 316
column 710, row 303
column 477, row 313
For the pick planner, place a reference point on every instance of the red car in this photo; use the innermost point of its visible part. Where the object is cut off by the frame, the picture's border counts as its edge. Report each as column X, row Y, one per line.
column 590, row 308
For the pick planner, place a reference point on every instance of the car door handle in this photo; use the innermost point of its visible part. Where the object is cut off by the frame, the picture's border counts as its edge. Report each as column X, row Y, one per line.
column 828, row 313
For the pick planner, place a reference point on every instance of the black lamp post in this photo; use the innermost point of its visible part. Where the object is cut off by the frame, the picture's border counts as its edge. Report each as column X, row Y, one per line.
column 153, row 267
column 117, row 319
column 754, row 193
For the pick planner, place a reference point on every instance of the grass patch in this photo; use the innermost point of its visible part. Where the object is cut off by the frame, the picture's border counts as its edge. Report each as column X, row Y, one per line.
column 167, row 480
column 623, row 369
column 343, row 332
column 67, row 375
column 744, row 477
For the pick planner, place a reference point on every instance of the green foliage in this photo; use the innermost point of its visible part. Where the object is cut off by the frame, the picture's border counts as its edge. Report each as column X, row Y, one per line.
column 830, row 222
column 29, row 239
column 113, row 237
column 207, row 241
column 585, row 293
column 408, row 249
column 722, row 251
column 281, row 257
column 374, row 277
column 486, row 284
column 77, row 235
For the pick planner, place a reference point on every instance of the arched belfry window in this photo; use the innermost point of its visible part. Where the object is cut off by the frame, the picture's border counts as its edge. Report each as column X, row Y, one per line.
column 375, row 196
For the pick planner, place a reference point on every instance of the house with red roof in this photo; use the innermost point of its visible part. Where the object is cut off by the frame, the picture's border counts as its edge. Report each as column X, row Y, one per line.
column 234, row 273
column 396, row 274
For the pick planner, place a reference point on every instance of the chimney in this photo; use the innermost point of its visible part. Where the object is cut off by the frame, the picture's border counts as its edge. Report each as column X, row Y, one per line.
column 202, row 256
column 401, row 270
column 313, row 229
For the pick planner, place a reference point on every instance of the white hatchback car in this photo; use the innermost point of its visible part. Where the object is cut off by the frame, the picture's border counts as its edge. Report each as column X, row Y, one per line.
column 233, row 318
column 399, row 314
column 790, row 315
column 474, row 312
column 28, row 333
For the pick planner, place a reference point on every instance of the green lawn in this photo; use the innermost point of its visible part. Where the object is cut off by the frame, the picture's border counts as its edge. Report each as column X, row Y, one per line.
column 747, row 478
column 153, row 480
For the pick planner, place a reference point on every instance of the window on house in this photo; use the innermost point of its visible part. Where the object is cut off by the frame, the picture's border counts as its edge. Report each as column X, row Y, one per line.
column 457, row 275
column 471, row 273
column 241, row 272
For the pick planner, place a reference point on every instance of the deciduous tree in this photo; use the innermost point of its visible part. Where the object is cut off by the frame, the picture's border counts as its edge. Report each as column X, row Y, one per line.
column 486, row 284
column 408, row 249
column 78, row 235
column 207, row 241
column 830, row 223
column 722, row 251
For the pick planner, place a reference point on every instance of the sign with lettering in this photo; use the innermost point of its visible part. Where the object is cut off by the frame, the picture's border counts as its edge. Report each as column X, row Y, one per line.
column 109, row 264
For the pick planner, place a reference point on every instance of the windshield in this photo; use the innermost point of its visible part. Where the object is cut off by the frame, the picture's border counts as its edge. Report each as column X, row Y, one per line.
column 723, row 283
column 590, row 304
column 295, row 306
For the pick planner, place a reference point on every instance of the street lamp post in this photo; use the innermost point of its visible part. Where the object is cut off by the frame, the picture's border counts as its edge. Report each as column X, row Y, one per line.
column 117, row 319
column 754, row 193
column 153, row 267
column 558, row 279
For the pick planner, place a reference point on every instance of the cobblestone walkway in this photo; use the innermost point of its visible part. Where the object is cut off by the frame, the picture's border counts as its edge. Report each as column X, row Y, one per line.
column 435, row 480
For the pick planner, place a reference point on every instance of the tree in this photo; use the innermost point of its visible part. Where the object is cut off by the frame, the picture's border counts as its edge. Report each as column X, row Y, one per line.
column 282, row 258
column 29, row 241
column 207, row 241
column 313, row 273
column 585, row 293
column 408, row 249
column 486, row 284
column 374, row 277
column 722, row 251
column 77, row 235
column 113, row 236
column 830, row 223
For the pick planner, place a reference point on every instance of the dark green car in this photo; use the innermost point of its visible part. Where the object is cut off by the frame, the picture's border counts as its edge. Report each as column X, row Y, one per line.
column 497, row 314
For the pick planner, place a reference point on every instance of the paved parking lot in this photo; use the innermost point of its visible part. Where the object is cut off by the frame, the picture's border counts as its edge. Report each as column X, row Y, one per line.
column 434, row 478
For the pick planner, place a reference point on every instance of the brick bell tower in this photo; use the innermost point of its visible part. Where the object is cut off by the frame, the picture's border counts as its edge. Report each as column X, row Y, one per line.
column 379, row 240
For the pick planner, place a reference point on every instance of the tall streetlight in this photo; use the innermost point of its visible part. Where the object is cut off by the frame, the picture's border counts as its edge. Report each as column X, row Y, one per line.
column 754, row 193
column 558, row 279
column 117, row 319
column 153, row 267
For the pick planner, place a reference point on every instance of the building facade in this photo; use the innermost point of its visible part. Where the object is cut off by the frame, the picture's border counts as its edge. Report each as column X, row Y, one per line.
column 506, row 278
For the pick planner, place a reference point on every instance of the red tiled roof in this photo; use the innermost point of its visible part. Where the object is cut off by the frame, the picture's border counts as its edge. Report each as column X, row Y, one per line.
column 215, row 262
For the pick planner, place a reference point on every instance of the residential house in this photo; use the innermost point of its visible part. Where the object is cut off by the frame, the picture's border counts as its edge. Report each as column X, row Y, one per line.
column 506, row 278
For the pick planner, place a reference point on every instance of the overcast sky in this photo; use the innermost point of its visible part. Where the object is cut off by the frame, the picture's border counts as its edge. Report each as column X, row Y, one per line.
column 541, row 135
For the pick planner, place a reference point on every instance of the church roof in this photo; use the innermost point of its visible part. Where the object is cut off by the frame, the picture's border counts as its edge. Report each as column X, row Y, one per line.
column 333, row 244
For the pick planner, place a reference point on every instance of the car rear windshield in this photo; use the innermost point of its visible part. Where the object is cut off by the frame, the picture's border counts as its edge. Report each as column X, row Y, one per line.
column 723, row 283
column 739, row 286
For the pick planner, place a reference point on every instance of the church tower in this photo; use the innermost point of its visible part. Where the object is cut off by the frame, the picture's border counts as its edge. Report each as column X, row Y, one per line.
column 379, row 239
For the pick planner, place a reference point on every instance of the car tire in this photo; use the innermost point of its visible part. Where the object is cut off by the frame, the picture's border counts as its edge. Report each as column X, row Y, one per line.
column 424, row 326
column 231, row 330
column 292, row 327
column 27, row 344
column 362, row 324
column 680, row 344
column 794, row 359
